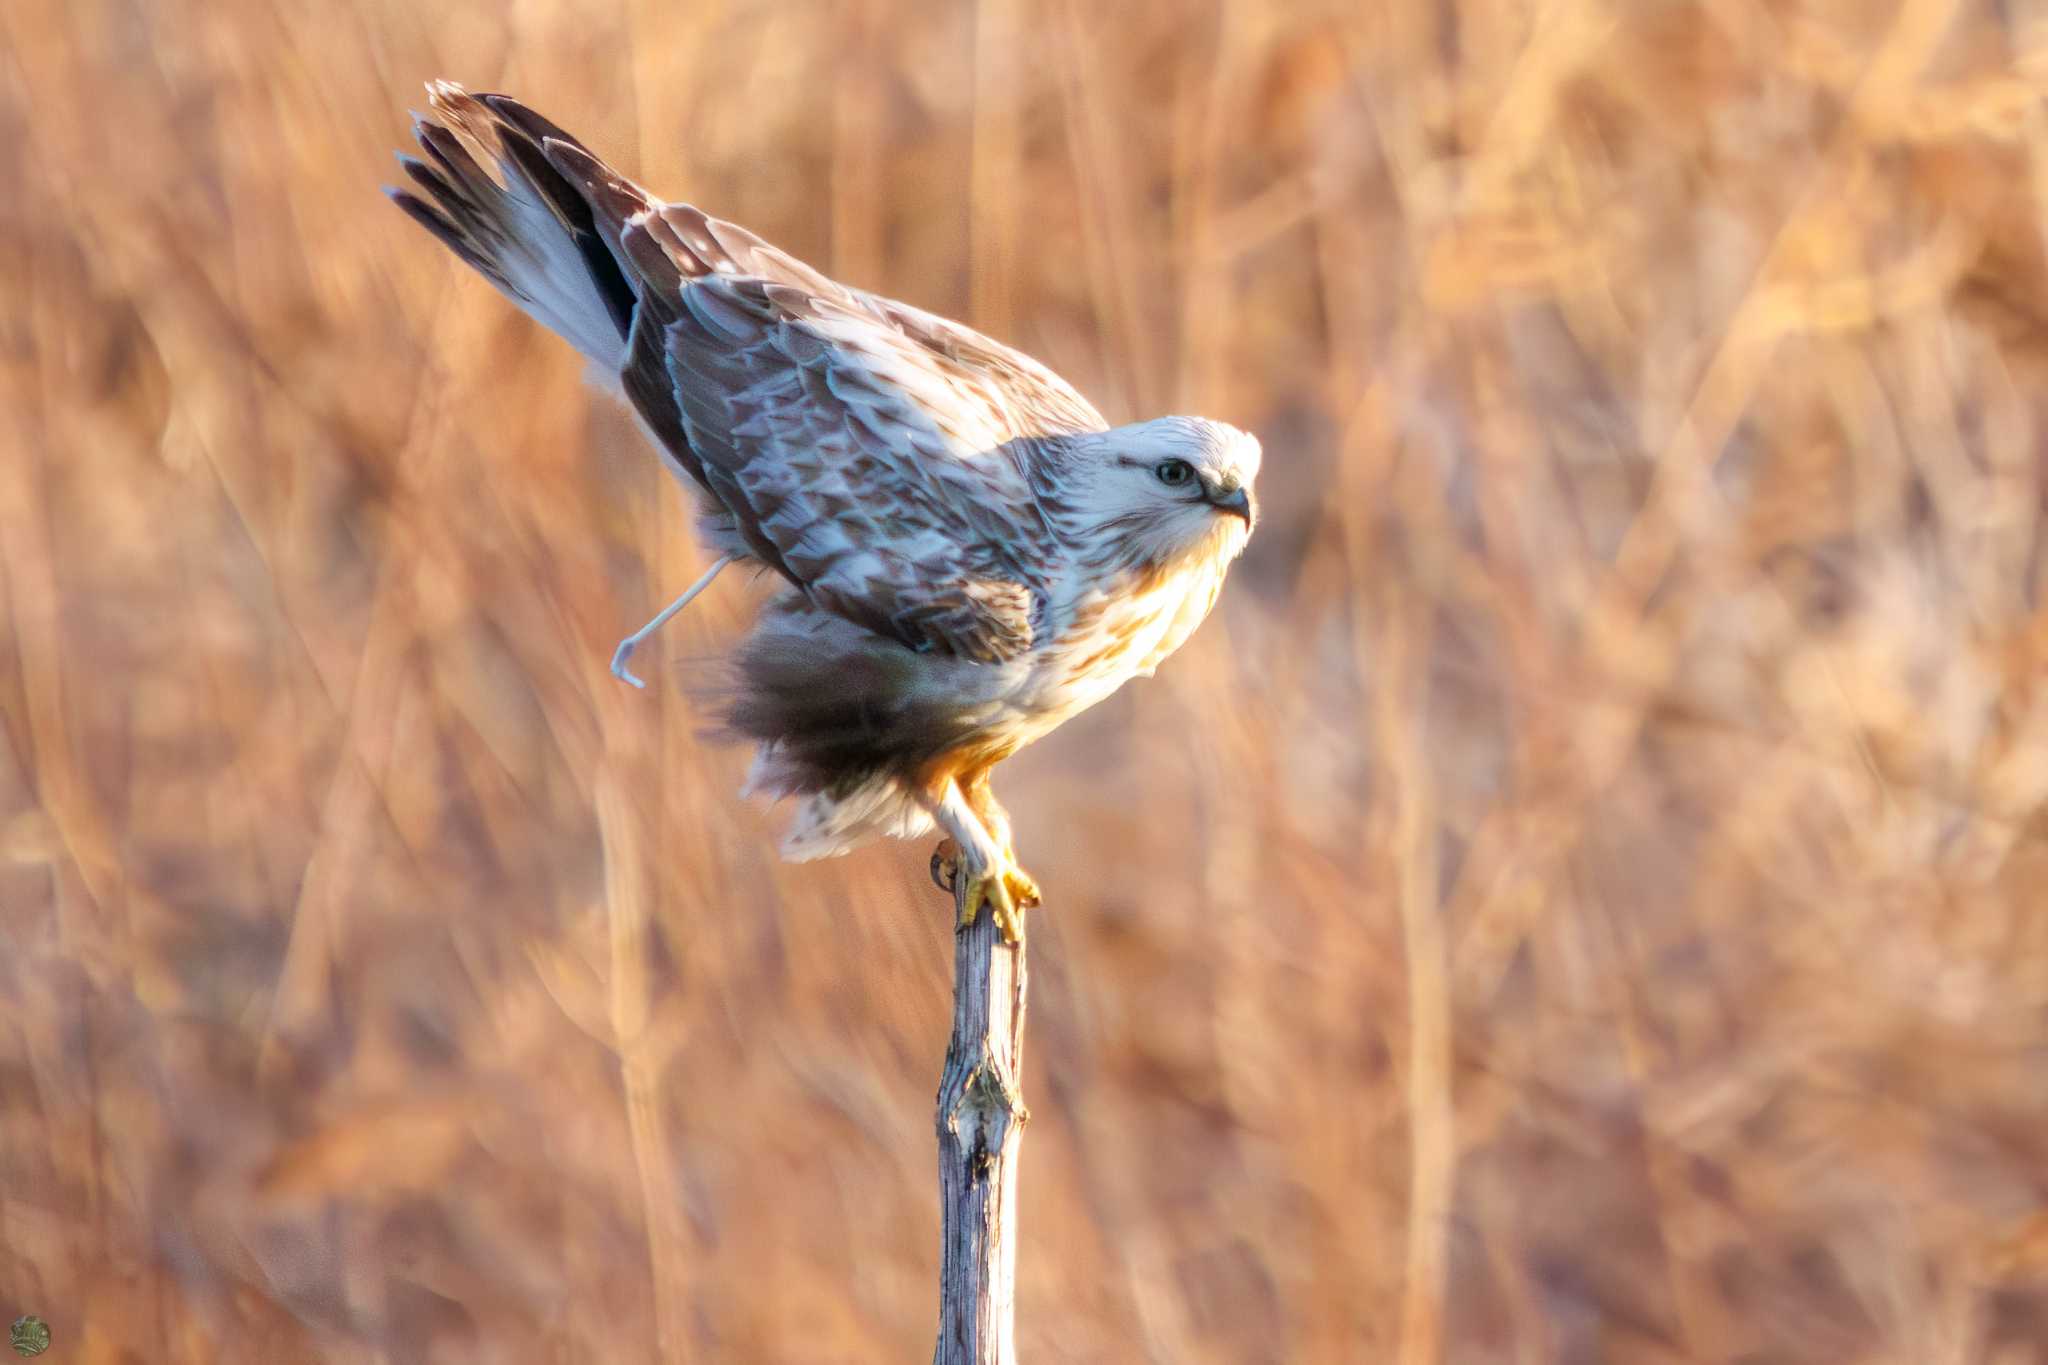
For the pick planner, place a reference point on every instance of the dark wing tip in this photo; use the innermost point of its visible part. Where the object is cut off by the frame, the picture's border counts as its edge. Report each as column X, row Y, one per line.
column 613, row 200
column 541, row 130
column 426, row 177
column 418, row 208
column 444, row 231
column 468, row 208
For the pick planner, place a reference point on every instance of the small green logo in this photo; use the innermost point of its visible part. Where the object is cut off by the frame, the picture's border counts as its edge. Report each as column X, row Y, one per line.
column 30, row 1335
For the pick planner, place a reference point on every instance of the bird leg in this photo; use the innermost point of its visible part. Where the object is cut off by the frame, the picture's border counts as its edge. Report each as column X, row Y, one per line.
column 633, row 641
column 994, row 879
column 981, row 796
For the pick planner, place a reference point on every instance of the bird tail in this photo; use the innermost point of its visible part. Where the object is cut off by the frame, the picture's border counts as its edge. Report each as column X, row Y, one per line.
column 532, row 210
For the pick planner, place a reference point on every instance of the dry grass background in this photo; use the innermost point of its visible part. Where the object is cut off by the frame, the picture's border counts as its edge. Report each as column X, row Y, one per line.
column 1579, row 900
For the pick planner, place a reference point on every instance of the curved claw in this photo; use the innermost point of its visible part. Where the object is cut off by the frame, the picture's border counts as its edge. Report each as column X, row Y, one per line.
column 1007, row 891
column 945, row 865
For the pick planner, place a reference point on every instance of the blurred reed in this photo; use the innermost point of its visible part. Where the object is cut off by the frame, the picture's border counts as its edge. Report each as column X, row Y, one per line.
column 1578, row 900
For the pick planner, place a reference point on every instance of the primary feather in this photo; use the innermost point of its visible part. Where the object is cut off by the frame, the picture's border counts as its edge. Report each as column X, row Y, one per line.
column 972, row 555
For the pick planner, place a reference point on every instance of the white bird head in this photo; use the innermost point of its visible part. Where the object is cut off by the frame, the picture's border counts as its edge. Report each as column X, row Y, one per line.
column 1161, row 491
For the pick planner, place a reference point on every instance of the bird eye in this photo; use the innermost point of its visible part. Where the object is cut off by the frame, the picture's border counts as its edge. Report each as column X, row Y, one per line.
column 1174, row 473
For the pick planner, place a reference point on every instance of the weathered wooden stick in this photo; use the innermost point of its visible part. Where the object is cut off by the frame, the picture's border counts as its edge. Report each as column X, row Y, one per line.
column 981, row 1125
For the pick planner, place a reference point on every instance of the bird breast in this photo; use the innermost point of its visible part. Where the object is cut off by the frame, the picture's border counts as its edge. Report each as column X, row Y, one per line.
column 1116, row 631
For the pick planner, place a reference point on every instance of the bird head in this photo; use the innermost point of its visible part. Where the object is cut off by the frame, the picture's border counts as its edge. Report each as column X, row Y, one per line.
column 1165, row 490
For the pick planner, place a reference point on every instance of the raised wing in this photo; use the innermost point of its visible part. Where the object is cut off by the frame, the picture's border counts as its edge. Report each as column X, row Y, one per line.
column 873, row 454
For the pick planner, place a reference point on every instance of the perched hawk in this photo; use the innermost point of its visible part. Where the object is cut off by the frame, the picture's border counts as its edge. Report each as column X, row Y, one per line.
column 972, row 554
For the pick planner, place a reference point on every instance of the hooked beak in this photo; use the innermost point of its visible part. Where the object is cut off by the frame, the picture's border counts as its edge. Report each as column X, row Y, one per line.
column 1233, row 500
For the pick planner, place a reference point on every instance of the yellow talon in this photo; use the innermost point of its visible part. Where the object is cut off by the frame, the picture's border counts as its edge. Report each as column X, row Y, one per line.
column 1008, row 891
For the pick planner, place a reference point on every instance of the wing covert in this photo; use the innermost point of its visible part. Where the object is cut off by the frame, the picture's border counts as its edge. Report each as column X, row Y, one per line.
column 858, row 466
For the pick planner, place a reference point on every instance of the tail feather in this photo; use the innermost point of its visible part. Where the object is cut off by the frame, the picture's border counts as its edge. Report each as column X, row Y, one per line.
column 494, row 194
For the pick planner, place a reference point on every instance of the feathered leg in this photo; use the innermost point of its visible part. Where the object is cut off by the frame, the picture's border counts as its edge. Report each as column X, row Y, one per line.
column 994, row 879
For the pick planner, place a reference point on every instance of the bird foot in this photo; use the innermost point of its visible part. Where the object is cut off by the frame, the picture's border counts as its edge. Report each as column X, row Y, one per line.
column 1006, row 889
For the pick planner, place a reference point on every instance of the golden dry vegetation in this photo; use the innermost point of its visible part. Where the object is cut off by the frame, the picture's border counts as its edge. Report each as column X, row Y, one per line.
column 1579, row 900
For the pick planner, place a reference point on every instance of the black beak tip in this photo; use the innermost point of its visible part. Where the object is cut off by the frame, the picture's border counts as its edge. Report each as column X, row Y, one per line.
column 1235, row 501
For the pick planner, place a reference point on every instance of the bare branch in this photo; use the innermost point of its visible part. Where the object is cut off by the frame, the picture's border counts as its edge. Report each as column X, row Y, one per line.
column 981, row 1117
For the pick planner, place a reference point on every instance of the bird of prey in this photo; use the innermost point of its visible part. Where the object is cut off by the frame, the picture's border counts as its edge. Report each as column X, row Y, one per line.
column 971, row 553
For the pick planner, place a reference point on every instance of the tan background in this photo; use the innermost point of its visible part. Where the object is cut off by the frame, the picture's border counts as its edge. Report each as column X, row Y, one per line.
column 1580, row 899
